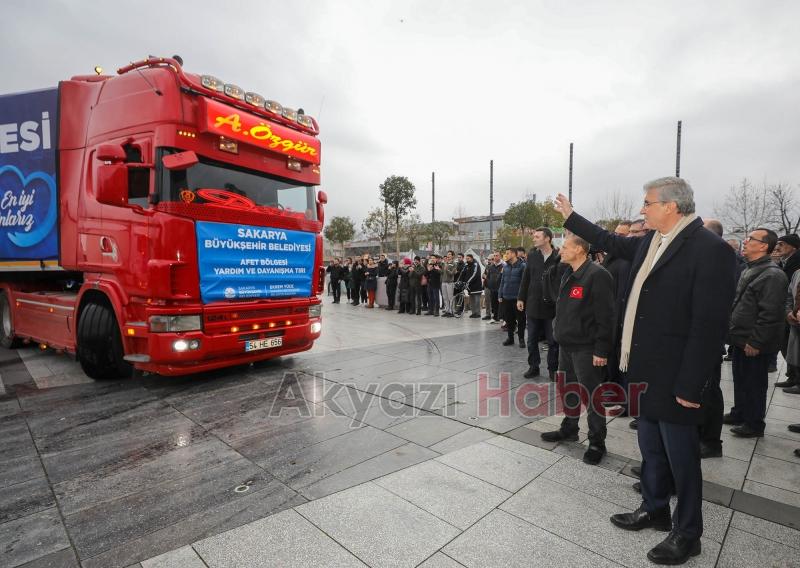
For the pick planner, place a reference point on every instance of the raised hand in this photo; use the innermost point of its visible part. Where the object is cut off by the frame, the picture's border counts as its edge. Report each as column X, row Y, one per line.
column 563, row 205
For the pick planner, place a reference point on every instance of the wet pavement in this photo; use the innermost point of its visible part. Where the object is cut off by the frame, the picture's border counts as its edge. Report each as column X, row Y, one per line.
column 376, row 448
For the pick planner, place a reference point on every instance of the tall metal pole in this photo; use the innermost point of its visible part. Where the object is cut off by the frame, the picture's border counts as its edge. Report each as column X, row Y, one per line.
column 678, row 153
column 433, row 197
column 570, row 172
column 491, row 203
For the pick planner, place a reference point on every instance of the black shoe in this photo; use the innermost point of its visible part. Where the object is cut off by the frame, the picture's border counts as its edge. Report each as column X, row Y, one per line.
column 637, row 471
column 637, row 487
column 641, row 519
column 531, row 372
column 744, row 431
column 727, row 358
column 474, row 316
column 594, row 454
column 710, row 451
column 797, row 452
column 634, row 424
column 522, row 344
column 486, row 318
column 794, row 428
column 792, row 390
column 675, row 549
column 559, row 436
column 552, row 375
column 428, row 313
column 730, row 419
column 509, row 341
column 785, row 384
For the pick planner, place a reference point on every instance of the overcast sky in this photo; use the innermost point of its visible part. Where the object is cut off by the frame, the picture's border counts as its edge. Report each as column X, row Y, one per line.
column 411, row 87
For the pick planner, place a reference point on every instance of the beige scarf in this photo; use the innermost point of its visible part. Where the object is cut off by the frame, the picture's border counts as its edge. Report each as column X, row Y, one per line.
column 644, row 271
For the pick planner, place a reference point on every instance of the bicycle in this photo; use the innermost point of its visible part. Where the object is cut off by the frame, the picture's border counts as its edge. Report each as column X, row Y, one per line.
column 459, row 297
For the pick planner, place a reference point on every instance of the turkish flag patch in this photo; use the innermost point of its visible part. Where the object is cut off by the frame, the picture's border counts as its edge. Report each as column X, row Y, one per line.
column 576, row 292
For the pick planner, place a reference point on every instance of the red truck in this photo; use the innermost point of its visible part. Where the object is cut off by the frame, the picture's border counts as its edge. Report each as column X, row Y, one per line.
column 159, row 220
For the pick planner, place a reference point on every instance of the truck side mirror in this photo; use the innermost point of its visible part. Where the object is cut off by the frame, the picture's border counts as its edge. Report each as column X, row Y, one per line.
column 180, row 161
column 322, row 199
column 112, row 184
column 113, row 153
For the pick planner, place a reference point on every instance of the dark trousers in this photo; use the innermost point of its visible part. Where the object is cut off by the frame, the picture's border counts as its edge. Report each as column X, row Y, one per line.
column 750, row 382
column 363, row 293
column 672, row 451
column 713, row 409
column 536, row 329
column 515, row 319
column 577, row 367
column 356, row 293
column 424, row 296
column 337, row 290
column 433, row 299
column 493, row 305
column 347, row 289
column 415, row 299
column 391, row 292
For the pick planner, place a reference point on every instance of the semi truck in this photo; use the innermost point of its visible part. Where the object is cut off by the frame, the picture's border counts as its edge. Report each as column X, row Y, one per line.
column 159, row 220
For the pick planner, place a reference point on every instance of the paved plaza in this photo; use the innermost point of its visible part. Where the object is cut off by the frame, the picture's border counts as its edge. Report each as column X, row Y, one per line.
column 373, row 449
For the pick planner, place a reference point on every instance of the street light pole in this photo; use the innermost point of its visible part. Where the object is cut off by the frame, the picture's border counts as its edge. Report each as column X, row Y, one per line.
column 678, row 153
column 570, row 172
column 433, row 197
column 491, row 203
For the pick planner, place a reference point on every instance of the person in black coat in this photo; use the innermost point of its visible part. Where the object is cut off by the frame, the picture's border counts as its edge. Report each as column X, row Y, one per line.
column 406, row 293
column 538, row 313
column 335, row 272
column 676, row 318
column 356, row 281
column 433, row 274
column 471, row 277
column 391, row 283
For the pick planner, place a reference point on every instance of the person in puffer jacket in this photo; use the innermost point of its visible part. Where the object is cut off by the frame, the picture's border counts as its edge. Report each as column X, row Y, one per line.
column 510, row 280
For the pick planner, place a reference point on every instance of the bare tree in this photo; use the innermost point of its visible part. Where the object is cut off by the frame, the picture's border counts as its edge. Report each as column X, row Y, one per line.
column 784, row 208
column 745, row 208
column 616, row 206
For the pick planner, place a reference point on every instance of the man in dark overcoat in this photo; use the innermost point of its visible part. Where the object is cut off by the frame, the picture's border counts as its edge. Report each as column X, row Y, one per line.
column 677, row 304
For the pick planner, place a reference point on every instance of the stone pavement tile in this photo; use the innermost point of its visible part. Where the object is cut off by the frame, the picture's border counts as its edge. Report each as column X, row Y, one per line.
column 502, row 540
column 383, row 464
column 744, row 550
column 16, row 440
column 780, row 398
column 385, row 367
column 500, row 467
column 766, row 529
column 466, row 364
column 373, row 410
column 778, row 473
column 64, row 558
column 725, row 471
column 584, row 520
column 91, row 489
column 184, row 557
column 621, row 443
column 17, row 470
column 779, row 428
column 440, row 560
column 597, row 482
column 737, row 448
column 427, row 430
column 143, row 444
column 451, row 495
column 32, row 537
column 314, row 463
column 771, row 492
column 778, row 448
column 518, row 447
column 198, row 525
column 112, row 523
column 25, row 498
column 400, row 534
column 285, row 539
column 610, row 461
column 462, row 440
column 528, row 435
column 791, row 415
column 9, row 408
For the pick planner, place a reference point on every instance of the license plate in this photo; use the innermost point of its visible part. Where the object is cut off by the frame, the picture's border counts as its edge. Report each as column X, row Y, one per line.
column 256, row 344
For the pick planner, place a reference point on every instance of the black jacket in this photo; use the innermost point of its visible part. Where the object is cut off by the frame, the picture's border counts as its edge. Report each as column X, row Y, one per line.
column 681, row 317
column 791, row 264
column 383, row 267
column 357, row 274
column 531, row 288
column 371, row 278
column 391, row 278
column 584, row 310
column 471, row 276
column 493, row 272
column 758, row 315
column 434, row 277
column 335, row 272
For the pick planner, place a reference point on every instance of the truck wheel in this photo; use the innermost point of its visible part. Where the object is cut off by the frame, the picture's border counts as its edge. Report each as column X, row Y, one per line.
column 100, row 349
column 7, row 337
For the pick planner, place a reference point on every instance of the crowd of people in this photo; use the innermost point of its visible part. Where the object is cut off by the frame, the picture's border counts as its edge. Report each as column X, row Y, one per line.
column 652, row 303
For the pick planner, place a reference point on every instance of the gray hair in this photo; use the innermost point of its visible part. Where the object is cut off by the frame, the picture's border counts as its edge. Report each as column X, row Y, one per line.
column 674, row 189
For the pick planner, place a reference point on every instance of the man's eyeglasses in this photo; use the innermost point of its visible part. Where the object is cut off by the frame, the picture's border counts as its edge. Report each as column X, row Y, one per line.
column 751, row 238
column 649, row 203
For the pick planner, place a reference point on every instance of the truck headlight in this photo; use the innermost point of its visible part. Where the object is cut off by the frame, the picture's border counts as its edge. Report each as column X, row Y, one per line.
column 315, row 311
column 316, row 327
column 165, row 324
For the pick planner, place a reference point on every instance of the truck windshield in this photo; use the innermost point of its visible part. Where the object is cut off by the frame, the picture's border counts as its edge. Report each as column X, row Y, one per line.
column 262, row 189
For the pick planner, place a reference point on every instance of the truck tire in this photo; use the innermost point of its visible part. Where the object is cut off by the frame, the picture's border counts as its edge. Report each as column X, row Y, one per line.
column 100, row 349
column 7, row 337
